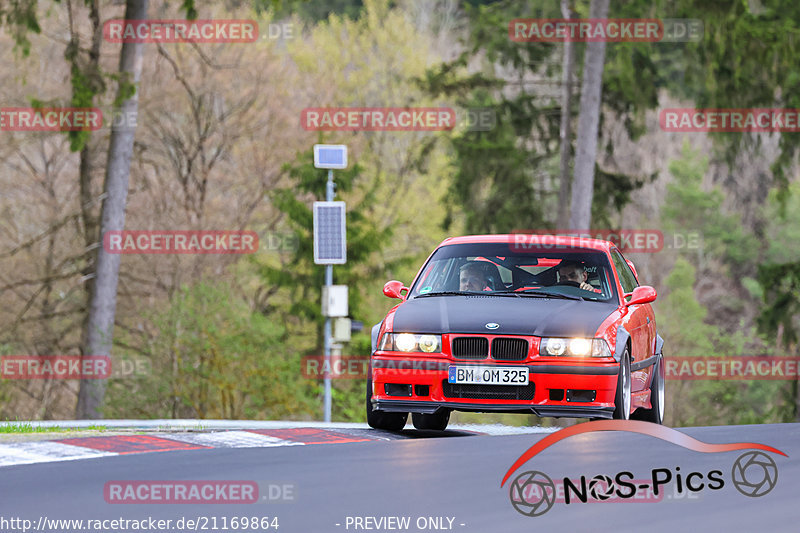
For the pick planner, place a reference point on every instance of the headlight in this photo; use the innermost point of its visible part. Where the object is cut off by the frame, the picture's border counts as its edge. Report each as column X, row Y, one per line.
column 553, row 347
column 577, row 347
column 429, row 343
column 411, row 342
column 580, row 347
column 405, row 342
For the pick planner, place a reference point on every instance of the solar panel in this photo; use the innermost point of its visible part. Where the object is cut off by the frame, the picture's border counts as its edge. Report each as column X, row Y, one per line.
column 330, row 236
column 330, row 156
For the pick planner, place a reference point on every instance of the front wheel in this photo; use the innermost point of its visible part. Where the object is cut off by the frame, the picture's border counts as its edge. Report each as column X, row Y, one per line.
column 437, row 421
column 381, row 419
column 622, row 400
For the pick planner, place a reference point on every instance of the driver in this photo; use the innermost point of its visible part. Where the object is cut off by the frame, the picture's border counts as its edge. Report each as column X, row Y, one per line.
column 472, row 278
column 574, row 272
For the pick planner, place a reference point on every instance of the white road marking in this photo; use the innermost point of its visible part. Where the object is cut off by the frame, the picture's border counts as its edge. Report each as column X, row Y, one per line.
column 229, row 439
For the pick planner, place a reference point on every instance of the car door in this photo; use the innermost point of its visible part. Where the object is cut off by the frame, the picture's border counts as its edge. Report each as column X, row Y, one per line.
column 639, row 322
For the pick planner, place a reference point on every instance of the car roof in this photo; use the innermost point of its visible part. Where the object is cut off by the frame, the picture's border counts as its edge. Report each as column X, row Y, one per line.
column 530, row 238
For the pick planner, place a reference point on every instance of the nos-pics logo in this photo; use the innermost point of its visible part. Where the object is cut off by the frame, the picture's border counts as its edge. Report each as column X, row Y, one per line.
column 533, row 493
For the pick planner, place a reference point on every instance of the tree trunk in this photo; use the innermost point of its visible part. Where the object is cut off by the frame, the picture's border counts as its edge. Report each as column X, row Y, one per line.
column 565, row 135
column 588, row 123
column 102, row 307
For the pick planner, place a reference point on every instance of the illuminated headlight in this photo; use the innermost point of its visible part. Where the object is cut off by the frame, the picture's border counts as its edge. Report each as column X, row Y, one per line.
column 581, row 347
column 405, row 342
column 577, row 347
column 411, row 342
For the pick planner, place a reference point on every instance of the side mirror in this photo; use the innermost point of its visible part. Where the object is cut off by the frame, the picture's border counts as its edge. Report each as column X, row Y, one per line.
column 393, row 288
column 642, row 295
column 633, row 268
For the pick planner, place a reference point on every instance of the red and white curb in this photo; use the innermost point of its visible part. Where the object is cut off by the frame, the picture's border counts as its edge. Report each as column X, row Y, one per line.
column 21, row 453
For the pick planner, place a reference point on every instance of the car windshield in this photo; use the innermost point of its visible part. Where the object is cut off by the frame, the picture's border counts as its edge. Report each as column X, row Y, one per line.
column 496, row 269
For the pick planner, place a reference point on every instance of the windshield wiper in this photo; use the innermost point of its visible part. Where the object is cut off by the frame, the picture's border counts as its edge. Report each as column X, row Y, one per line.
column 469, row 293
column 533, row 292
column 441, row 293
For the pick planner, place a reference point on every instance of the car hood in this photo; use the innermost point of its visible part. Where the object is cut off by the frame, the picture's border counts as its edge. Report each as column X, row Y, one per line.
column 541, row 317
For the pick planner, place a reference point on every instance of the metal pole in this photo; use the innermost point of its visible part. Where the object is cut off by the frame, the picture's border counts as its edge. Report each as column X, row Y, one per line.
column 328, row 282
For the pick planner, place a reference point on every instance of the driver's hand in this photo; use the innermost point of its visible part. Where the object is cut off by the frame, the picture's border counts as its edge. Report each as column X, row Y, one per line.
column 585, row 286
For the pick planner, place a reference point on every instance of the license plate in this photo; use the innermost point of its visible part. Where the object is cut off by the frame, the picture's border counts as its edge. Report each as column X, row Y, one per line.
column 488, row 375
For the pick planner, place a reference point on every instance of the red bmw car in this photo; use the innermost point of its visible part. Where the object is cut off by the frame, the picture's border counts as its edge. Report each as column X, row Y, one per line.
column 555, row 326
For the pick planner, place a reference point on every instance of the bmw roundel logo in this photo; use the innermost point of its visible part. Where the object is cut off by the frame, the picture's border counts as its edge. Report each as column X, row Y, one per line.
column 492, row 325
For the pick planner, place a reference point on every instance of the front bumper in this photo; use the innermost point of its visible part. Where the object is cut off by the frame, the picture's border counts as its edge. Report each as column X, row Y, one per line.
column 556, row 389
column 556, row 411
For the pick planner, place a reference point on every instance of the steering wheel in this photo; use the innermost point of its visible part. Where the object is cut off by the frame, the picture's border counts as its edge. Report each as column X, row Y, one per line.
column 569, row 283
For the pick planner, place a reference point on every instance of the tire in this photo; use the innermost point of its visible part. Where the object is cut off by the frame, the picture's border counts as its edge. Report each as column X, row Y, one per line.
column 622, row 400
column 656, row 412
column 437, row 421
column 381, row 419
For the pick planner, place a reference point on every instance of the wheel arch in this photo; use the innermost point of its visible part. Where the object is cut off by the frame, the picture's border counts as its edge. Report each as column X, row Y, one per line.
column 376, row 329
column 623, row 341
column 659, row 345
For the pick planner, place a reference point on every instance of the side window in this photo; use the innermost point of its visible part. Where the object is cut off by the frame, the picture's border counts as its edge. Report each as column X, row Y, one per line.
column 435, row 277
column 626, row 277
column 426, row 274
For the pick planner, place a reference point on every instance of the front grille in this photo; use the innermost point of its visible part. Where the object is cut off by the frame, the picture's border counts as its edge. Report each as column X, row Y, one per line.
column 507, row 349
column 488, row 392
column 470, row 347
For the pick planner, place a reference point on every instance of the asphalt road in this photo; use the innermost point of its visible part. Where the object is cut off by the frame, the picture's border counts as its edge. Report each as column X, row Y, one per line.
column 437, row 483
